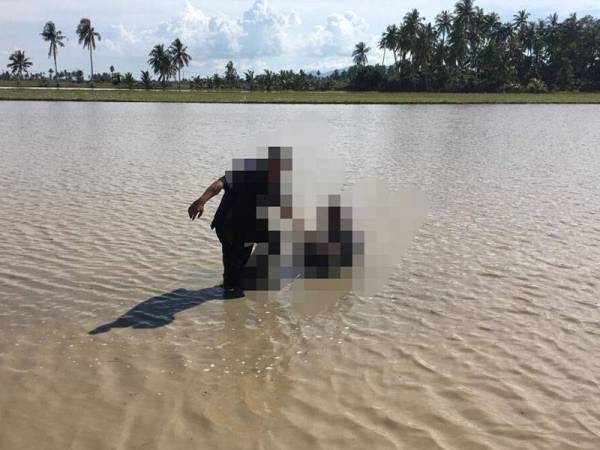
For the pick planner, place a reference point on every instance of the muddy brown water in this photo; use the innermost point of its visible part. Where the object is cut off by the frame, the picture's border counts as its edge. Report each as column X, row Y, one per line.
column 484, row 337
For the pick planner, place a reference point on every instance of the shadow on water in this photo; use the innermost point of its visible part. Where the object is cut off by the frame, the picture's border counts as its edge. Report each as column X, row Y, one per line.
column 160, row 310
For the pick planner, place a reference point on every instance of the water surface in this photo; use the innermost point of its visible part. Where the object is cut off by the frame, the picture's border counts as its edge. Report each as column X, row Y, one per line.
column 484, row 337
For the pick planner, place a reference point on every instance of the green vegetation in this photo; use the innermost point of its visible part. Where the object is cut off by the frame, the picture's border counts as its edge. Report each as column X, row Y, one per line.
column 128, row 80
column 341, row 97
column 464, row 50
column 167, row 62
column 469, row 50
column 19, row 64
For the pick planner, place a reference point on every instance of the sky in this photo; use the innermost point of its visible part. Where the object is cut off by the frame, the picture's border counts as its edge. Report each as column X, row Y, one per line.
column 255, row 34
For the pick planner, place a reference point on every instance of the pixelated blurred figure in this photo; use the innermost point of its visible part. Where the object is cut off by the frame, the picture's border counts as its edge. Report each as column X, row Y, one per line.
column 264, row 244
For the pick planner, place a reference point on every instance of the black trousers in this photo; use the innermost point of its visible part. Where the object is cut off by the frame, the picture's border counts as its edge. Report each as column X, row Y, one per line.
column 235, row 257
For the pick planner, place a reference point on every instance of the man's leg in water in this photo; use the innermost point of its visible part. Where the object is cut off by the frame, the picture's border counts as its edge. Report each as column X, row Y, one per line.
column 235, row 257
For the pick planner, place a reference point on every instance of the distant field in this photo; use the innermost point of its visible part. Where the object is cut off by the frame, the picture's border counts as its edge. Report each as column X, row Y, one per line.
column 290, row 97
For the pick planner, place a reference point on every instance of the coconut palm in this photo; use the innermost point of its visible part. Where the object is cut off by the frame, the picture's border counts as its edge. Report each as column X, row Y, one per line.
column 87, row 36
column 19, row 63
column 231, row 74
column 267, row 80
column 552, row 19
column 520, row 19
column 146, row 80
column 161, row 63
column 388, row 41
column 129, row 80
column 180, row 58
column 443, row 24
column 413, row 22
column 55, row 38
column 411, row 29
column 462, row 25
column 464, row 12
column 359, row 55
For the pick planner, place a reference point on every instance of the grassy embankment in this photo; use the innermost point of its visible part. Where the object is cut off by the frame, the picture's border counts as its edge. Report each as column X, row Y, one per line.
column 172, row 96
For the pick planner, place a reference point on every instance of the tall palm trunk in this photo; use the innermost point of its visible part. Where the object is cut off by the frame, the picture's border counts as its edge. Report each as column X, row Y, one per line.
column 91, row 65
column 55, row 68
column 383, row 60
column 178, row 79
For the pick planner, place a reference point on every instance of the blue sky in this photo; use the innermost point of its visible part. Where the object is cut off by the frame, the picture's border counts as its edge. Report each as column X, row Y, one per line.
column 255, row 34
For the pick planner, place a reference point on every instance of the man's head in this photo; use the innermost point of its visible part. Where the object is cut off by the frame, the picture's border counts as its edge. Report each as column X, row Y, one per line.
column 279, row 159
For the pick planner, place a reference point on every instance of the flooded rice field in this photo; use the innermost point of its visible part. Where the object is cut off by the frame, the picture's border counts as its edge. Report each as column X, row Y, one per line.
column 484, row 336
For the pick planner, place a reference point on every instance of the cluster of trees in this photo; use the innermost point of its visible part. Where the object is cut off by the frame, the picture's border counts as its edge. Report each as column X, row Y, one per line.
column 471, row 50
column 268, row 80
column 463, row 50
column 167, row 63
column 76, row 76
column 19, row 64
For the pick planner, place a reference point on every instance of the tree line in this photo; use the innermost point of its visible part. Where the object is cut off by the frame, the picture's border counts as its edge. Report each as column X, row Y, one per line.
column 468, row 49
column 463, row 50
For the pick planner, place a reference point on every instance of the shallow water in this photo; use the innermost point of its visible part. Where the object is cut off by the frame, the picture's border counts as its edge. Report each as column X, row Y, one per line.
column 485, row 337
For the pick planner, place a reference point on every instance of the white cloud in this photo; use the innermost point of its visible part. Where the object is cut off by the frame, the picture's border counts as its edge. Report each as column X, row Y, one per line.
column 338, row 36
column 266, row 31
column 128, row 36
column 260, row 33
column 207, row 36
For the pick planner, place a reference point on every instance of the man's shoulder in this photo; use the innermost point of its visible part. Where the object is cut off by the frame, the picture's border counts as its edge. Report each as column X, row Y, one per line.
column 227, row 181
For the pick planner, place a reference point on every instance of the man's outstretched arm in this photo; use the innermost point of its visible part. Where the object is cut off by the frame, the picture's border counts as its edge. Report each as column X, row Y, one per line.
column 197, row 208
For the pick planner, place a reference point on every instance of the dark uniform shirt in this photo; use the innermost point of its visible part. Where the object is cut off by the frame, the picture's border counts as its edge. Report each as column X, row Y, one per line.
column 245, row 190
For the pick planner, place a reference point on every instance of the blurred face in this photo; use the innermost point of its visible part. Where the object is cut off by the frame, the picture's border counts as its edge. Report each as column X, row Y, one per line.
column 274, row 170
column 279, row 160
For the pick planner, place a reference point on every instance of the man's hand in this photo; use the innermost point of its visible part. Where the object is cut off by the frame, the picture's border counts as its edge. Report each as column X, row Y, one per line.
column 196, row 209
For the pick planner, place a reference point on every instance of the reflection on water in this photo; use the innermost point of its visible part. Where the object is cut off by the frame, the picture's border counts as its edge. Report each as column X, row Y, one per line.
column 482, row 337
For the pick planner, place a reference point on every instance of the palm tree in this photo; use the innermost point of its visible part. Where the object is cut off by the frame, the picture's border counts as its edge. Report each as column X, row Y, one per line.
column 359, row 55
column 381, row 46
column 394, row 33
column 388, row 41
column 464, row 15
column 464, row 12
column 55, row 38
column 520, row 19
column 146, row 80
column 443, row 24
column 249, row 77
column 128, row 80
column 161, row 63
column 179, row 57
column 268, row 79
column 87, row 36
column 552, row 19
column 412, row 27
column 401, row 44
column 19, row 63
column 231, row 74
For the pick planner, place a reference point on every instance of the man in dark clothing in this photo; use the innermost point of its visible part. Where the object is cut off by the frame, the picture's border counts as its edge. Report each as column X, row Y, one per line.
column 255, row 208
column 252, row 185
